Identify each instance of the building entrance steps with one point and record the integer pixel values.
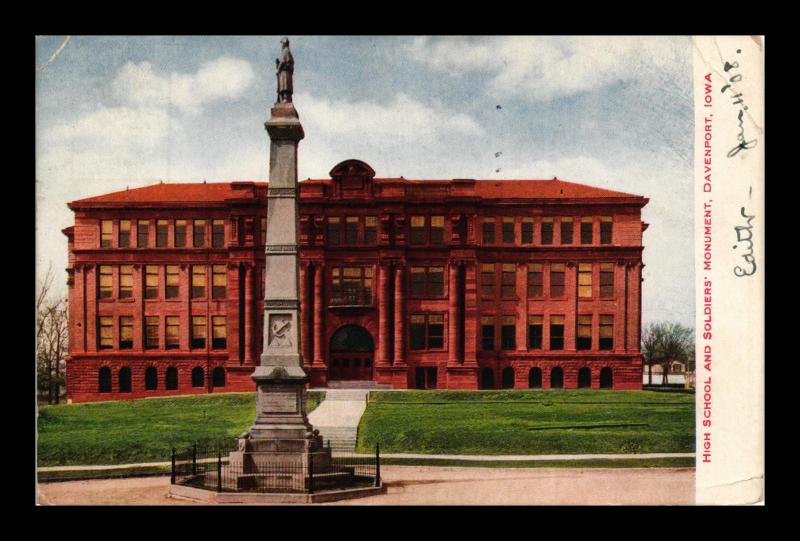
(337, 417)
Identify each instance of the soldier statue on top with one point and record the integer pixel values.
(285, 67)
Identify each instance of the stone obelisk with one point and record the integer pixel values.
(281, 429)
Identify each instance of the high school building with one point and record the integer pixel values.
(455, 284)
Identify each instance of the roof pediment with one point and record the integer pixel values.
(352, 168)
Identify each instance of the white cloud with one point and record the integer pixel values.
(223, 78)
(542, 68)
(401, 118)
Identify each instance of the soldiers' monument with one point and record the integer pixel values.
(281, 431)
(281, 452)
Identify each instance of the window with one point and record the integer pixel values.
(173, 280)
(124, 379)
(427, 281)
(584, 378)
(508, 230)
(198, 281)
(587, 230)
(180, 233)
(606, 378)
(527, 231)
(105, 289)
(105, 233)
(199, 233)
(566, 230)
(487, 378)
(198, 378)
(217, 233)
(142, 233)
(104, 380)
(584, 280)
(126, 332)
(150, 282)
(584, 338)
(535, 332)
(173, 332)
(487, 333)
(371, 230)
(606, 332)
(263, 231)
(606, 225)
(508, 332)
(151, 379)
(547, 231)
(606, 280)
(437, 229)
(162, 228)
(333, 230)
(351, 286)
(351, 230)
(487, 280)
(426, 331)
(218, 377)
(556, 279)
(125, 281)
(151, 332)
(198, 332)
(535, 378)
(105, 332)
(219, 281)
(172, 378)
(509, 281)
(124, 239)
(535, 280)
(556, 332)
(219, 332)
(557, 378)
(435, 331)
(417, 230)
(508, 378)
(488, 231)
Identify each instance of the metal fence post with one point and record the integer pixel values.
(219, 470)
(172, 476)
(310, 473)
(377, 464)
(194, 459)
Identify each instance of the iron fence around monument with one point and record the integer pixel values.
(219, 467)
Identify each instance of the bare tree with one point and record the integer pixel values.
(664, 343)
(52, 336)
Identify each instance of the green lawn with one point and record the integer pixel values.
(130, 431)
(528, 422)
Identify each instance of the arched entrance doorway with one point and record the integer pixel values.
(352, 352)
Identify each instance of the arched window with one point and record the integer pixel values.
(487, 378)
(535, 378)
(104, 380)
(508, 378)
(606, 378)
(172, 378)
(198, 378)
(124, 379)
(584, 378)
(556, 378)
(151, 378)
(218, 377)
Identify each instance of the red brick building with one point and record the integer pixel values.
(458, 284)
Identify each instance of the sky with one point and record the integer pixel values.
(613, 112)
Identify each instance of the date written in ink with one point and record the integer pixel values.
(737, 99)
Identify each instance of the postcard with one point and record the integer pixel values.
(400, 270)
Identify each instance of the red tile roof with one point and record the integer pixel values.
(217, 192)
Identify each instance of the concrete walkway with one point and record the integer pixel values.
(411, 456)
(337, 417)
